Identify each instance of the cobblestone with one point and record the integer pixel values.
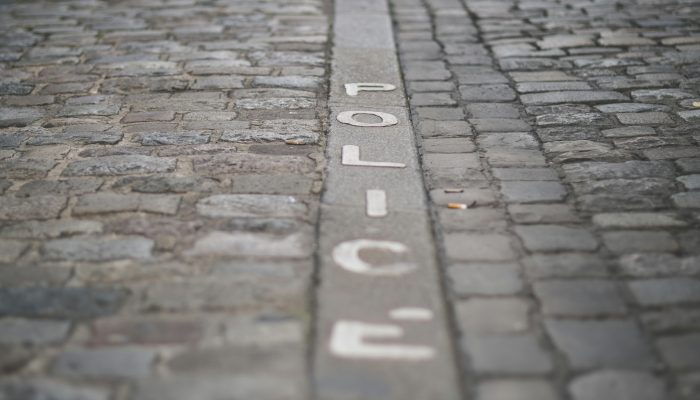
(623, 385)
(104, 363)
(601, 344)
(162, 166)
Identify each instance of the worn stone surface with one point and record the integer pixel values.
(594, 160)
(161, 165)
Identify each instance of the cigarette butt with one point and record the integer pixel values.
(454, 190)
(696, 104)
(295, 142)
(457, 206)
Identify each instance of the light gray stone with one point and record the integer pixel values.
(17, 331)
(243, 244)
(98, 249)
(249, 205)
(618, 385)
(124, 362)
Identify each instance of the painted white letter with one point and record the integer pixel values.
(376, 203)
(348, 117)
(351, 156)
(348, 341)
(352, 89)
(347, 256)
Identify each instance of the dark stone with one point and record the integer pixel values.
(51, 302)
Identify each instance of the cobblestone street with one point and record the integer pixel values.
(350, 200)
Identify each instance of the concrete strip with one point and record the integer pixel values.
(373, 269)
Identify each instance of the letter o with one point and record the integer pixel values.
(348, 117)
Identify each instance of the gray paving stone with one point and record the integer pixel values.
(689, 165)
(532, 191)
(216, 386)
(619, 385)
(40, 207)
(49, 229)
(289, 81)
(41, 388)
(448, 145)
(542, 214)
(504, 157)
(432, 99)
(567, 133)
(73, 303)
(529, 87)
(626, 170)
(274, 360)
(672, 152)
(109, 137)
(479, 316)
(660, 94)
(507, 354)
(644, 118)
(571, 97)
(174, 138)
(587, 119)
(631, 107)
(521, 140)
(687, 200)
(17, 331)
(18, 116)
(26, 168)
(492, 110)
(665, 291)
(243, 244)
(542, 76)
(485, 279)
(679, 351)
(167, 184)
(479, 219)
(622, 242)
(440, 113)
(487, 93)
(262, 136)
(688, 385)
(98, 249)
(648, 265)
(273, 184)
(551, 238)
(119, 165)
(245, 205)
(125, 362)
(637, 220)
(98, 203)
(436, 128)
(691, 182)
(216, 165)
(499, 125)
(601, 343)
(11, 250)
(579, 298)
(690, 115)
(516, 390)
(11, 140)
(525, 174)
(475, 247)
(281, 294)
(437, 161)
(148, 116)
(671, 320)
